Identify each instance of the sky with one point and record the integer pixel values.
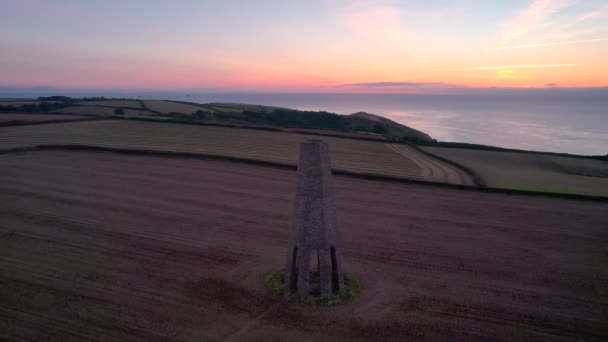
(416, 46)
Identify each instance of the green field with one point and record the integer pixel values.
(172, 107)
(532, 171)
(229, 110)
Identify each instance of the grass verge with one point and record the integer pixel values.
(274, 282)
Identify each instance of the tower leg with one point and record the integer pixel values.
(304, 273)
(325, 272)
(291, 270)
(337, 275)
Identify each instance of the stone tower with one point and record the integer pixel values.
(313, 231)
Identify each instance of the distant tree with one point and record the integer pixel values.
(379, 128)
(54, 98)
(8, 108)
(358, 127)
(200, 115)
(179, 115)
(29, 108)
(253, 115)
(45, 106)
(119, 111)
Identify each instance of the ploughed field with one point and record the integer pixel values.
(533, 172)
(105, 246)
(355, 156)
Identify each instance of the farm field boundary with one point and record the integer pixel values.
(532, 172)
(79, 117)
(468, 146)
(368, 176)
(280, 147)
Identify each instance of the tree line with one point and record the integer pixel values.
(46, 104)
(299, 119)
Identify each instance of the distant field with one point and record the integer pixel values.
(18, 103)
(350, 155)
(26, 117)
(533, 172)
(433, 168)
(581, 167)
(168, 107)
(101, 111)
(112, 103)
(241, 106)
(228, 110)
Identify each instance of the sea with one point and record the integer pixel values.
(575, 123)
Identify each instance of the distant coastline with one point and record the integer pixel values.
(574, 124)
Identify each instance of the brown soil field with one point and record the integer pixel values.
(101, 246)
(27, 117)
(355, 156)
(536, 172)
(112, 103)
(101, 111)
(168, 107)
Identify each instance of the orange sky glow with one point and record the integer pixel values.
(307, 46)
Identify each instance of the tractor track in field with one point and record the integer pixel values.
(433, 169)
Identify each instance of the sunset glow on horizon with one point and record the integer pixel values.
(304, 46)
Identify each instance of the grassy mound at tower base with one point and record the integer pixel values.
(274, 280)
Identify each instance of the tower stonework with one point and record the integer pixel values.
(313, 231)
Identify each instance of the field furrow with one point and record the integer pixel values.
(433, 168)
(348, 155)
(104, 246)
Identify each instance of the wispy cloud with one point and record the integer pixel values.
(587, 31)
(535, 45)
(551, 85)
(380, 20)
(599, 12)
(394, 84)
(531, 17)
(508, 67)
